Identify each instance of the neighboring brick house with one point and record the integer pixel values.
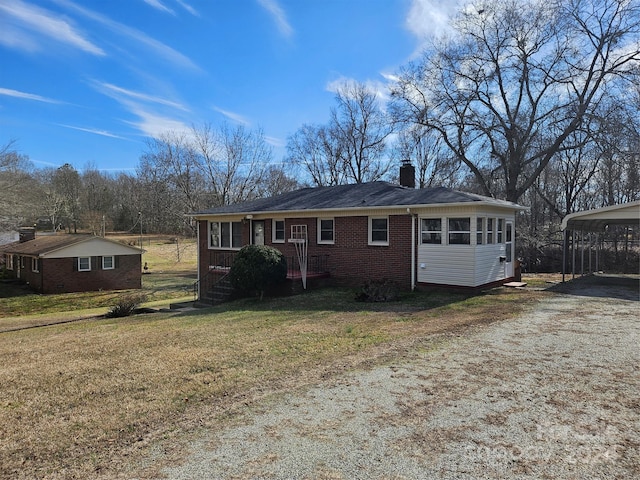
(72, 263)
(430, 236)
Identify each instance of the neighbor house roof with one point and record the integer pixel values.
(356, 196)
(597, 220)
(49, 244)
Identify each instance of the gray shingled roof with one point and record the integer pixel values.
(48, 243)
(361, 195)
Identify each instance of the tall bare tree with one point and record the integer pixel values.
(508, 91)
(16, 196)
(318, 151)
(232, 160)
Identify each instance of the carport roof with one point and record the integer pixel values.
(598, 219)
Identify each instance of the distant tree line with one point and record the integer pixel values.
(533, 102)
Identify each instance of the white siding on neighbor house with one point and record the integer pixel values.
(94, 247)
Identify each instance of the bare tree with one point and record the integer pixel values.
(517, 80)
(361, 128)
(232, 161)
(318, 151)
(15, 181)
(424, 149)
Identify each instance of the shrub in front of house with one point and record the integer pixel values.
(256, 268)
(126, 305)
(378, 291)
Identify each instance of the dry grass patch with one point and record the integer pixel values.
(87, 399)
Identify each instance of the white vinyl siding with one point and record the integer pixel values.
(467, 265)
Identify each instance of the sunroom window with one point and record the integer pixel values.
(431, 230)
(459, 231)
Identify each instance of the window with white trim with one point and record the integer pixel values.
(326, 232)
(378, 230)
(431, 231)
(489, 230)
(499, 237)
(108, 263)
(225, 234)
(35, 264)
(277, 231)
(84, 264)
(460, 231)
(480, 230)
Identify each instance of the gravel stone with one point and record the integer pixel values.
(551, 394)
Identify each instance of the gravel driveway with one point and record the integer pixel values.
(552, 394)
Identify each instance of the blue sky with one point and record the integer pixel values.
(86, 82)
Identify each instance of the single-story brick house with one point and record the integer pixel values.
(430, 236)
(72, 263)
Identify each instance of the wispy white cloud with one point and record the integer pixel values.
(103, 133)
(429, 18)
(167, 53)
(30, 19)
(26, 96)
(157, 4)
(275, 142)
(278, 15)
(379, 88)
(154, 125)
(235, 117)
(188, 8)
(118, 93)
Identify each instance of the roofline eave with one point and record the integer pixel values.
(202, 216)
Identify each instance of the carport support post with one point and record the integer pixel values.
(564, 253)
(582, 253)
(573, 255)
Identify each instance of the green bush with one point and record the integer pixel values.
(256, 268)
(126, 305)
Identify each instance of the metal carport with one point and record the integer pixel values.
(595, 221)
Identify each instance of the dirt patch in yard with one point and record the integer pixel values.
(550, 394)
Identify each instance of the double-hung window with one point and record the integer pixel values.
(459, 231)
(499, 237)
(490, 230)
(35, 264)
(479, 230)
(84, 264)
(277, 231)
(108, 263)
(10, 261)
(225, 234)
(378, 230)
(326, 232)
(431, 231)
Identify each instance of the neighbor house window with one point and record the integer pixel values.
(22, 264)
(9, 262)
(225, 234)
(378, 231)
(459, 231)
(325, 230)
(500, 230)
(108, 263)
(35, 264)
(431, 230)
(479, 230)
(277, 231)
(489, 230)
(84, 264)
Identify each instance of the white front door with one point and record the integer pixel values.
(258, 232)
(509, 250)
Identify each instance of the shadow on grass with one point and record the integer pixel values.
(623, 287)
(339, 299)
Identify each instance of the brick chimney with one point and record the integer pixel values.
(407, 174)
(27, 233)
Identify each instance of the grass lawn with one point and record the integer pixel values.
(172, 273)
(93, 398)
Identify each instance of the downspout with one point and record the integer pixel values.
(413, 249)
(198, 258)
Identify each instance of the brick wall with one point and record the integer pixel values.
(60, 275)
(350, 259)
